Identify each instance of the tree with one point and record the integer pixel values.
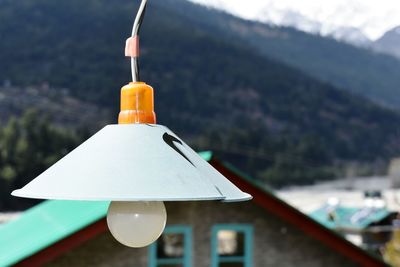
(28, 146)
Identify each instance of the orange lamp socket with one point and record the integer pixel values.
(137, 104)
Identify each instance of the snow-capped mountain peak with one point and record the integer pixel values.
(292, 18)
(353, 21)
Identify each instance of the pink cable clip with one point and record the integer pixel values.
(132, 47)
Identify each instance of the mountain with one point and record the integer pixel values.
(214, 89)
(389, 43)
(356, 70)
(336, 19)
(291, 18)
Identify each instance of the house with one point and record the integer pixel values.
(369, 227)
(263, 232)
(360, 208)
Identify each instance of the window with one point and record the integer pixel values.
(173, 248)
(231, 245)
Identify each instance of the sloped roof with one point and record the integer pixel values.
(266, 199)
(349, 217)
(55, 226)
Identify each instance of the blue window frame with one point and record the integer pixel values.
(173, 248)
(232, 245)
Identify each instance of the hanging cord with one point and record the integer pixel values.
(132, 43)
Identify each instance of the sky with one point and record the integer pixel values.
(372, 17)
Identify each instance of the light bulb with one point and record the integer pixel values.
(136, 224)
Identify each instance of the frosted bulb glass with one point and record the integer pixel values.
(136, 224)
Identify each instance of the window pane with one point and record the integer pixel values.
(170, 246)
(229, 264)
(230, 243)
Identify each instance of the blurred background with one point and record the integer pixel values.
(303, 97)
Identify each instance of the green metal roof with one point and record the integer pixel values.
(49, 222)
(349, 217)
(45, 224)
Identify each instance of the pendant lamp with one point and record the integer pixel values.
(136, 164)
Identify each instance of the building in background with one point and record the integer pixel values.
(369, 226)
(263, 232)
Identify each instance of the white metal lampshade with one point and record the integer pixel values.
(132, 162)
(134, 165)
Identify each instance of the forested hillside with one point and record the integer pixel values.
(29, 145)
(58, 105)
(272, 120)
(353, 69)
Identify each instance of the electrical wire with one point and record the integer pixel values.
(135, 33)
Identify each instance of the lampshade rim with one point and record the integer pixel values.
(245, 197)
